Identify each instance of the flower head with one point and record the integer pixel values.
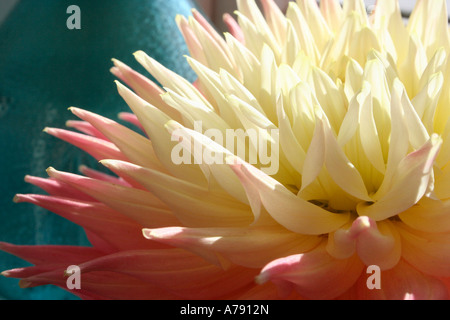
(353, 108)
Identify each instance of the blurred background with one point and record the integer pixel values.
(46, 68)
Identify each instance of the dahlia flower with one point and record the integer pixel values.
(354, 107)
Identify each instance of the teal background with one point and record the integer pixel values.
(46, 68)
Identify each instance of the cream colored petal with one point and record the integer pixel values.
(408, 185)
(430, 21)
(436, 64)
(294, 152)
(267, 97)
(316, 22)
(358, 7)
(334, 57)
(153, 121)
(290, 211)
(315, 156)
(353, 79)
(196, 144)
(428, 215)
(134, 146)
(300, 29)
(213, 87)
(144, 87)
(170, 79)
(292, 45)
(195, 111)
(363, 41)
(418, 134)
(351, 122)
(194, 206)
(388, 16)
(251, 247)
(426, 101)
(254, 41)
(368, 131)
(275, 19)
(332, 12)
(246, 61)
(215, 49)
(252, 12)
(442, 115)
(192, 42)
(303, 103)
(330, 97)
(233, 87)
(399, 141)
(342, 171)
(413, 66)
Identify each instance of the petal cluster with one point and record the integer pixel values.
(353, 110)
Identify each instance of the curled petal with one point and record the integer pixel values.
(292, 212)
(375, 244)
(409, 183)
(314, 275)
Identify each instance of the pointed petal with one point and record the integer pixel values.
(94, 174)
(234, 27)
(98, 148)
(118, 231)
(51, 254)
(170, 79)
(86, 128)
(154, 120)
(332, 12)
(139, 205)
(175, 270)
(342, 171)
(58, 188)
(144, 87)
(135, 147)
